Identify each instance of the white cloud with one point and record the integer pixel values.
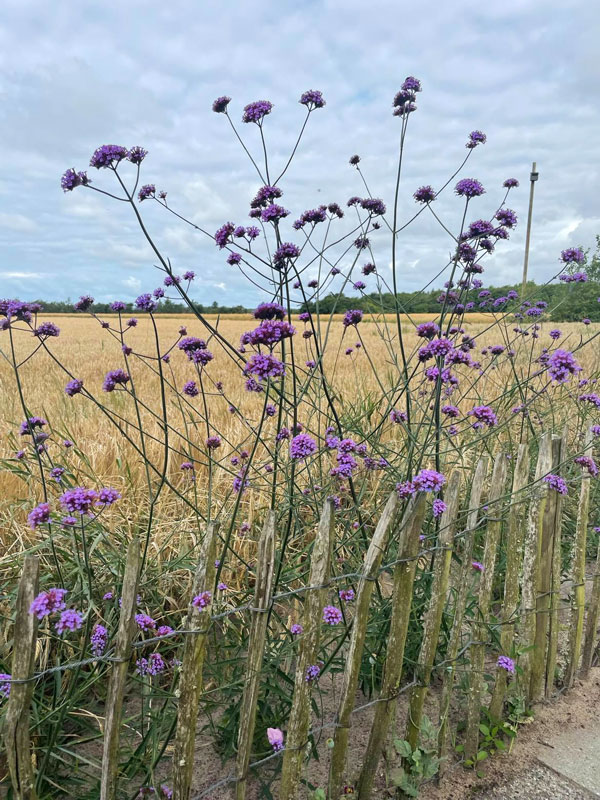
(493, 68)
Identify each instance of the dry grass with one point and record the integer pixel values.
(88, 352)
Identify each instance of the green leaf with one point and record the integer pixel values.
(484, 729)
(403, 748)
(396, 776)
(482, 755)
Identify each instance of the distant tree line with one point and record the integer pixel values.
(568, 302)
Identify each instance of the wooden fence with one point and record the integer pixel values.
(526, 517)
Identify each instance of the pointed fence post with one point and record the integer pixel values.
(118, 676)
(543, 584)
(492, 537)
(578, 570)
(592, 619)
(190, 681)
(16, 724)
(402, 595)
(460, 604)
(433, 617)
(529, 579)
(297, 734)
(263, 594)
(556, 571)
(514, 557)
(370, 571)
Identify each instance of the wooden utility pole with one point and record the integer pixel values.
(532, 179)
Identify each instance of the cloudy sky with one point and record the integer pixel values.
(77, 75)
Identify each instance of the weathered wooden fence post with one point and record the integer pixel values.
(533, 536)
(578, 570)
(297, 734)
(190, 682)
(433, 617)
(370, 570)
(118, 677)
(543, 583)
(16, 724)
(556, 571)
(263, 593)
(402, 595)
(591, 623)
(460, 604)
(492, 537)
(514, 557)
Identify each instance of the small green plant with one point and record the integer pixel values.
(417, 765)
(498, 735)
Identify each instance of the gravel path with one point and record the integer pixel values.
(538, 783)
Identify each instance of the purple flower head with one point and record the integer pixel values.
(284, 254)
(397, 416)
(72, 179)
(114, 378)
(118, 305)
(469, 188)
(411, 84)
(562, 366)
(5, 685)
(573, 255)
(296, 629)
(70, 620)
(48, 602)
(220, 105)
(368, 269)
(506, 663)
(145, 303)
(507, 217)
(257, 111)
(202, 600)
(73, 387)
(555, 334)
(39, 515)
(475, 138)
(484, 415)
(269, 332)
(302, 446)
(107, 496)
(587, 463)
(275, 737)
(424, 194)
(481, 227)
(84, 303)
(213, 442)
(154, 665)
(145, 622)
(477, 566)
(57, 473)
(361, 243)
(352, 317)
(427, 330)
(354, 160)
(312, 99)
(78, 500)
(373, 205)
(557, 483)
(264, 366)
(273, 213)
(137, 154)
(224, 234)
(191, 389)
(269, 311)
(98, 639)
(428, 480)
(149, 190)
(347, 595)
(510, 183)
(405, 489)
(332, 615)
(108, 155)
(438, 508)
(312, 673)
